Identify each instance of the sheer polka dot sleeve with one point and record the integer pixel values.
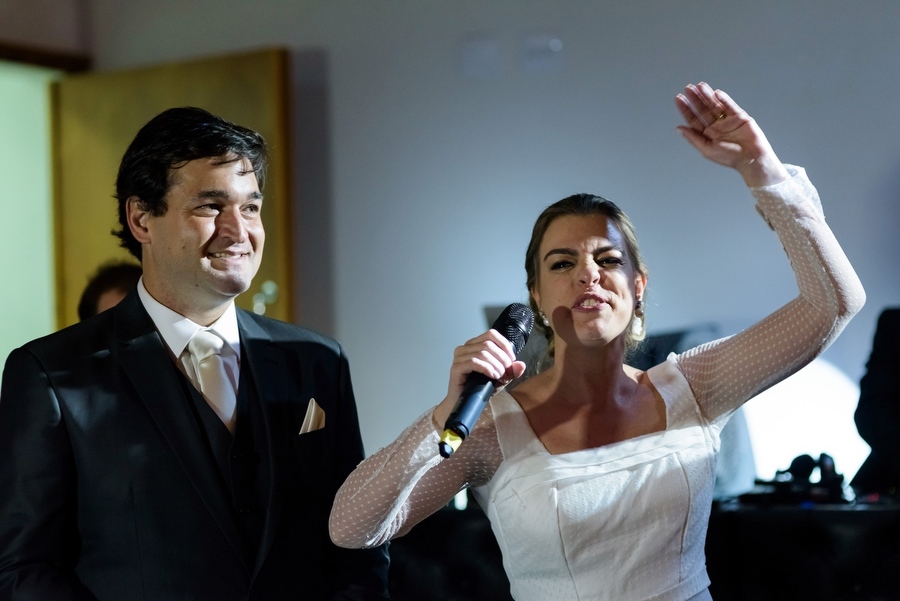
(408, 480)
(725, 373)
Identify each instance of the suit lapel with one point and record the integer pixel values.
(146, 362)
(267, 367)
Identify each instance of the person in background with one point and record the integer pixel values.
(598, 477)
(176, 447)
(107, 288)
(877, 414)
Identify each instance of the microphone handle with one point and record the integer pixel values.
(472, 400)
(474, 396)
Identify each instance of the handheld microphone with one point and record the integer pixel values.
(514, 323)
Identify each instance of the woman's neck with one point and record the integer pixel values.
(588, 375)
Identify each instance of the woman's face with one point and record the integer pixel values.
(586, 284)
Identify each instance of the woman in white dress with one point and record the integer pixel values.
(598, 477)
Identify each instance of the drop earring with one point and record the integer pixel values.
(544, 319)
(637, 323)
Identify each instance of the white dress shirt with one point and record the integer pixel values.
(177, 330)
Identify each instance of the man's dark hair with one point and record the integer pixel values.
(170, 140)
(111, 276)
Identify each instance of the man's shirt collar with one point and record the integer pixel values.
(177, 330)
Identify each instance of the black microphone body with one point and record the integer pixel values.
(474, 396)
(514, 323)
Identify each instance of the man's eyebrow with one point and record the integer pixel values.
(212, 194)
(204, 194)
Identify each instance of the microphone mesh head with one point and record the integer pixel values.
(515, 323)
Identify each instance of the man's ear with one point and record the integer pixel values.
(137, 215)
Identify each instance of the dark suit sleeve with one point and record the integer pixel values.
(878, 413)
(38, 539)
(363, 573)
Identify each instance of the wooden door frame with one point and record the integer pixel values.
(69, 62)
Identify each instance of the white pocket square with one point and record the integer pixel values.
(315, 418)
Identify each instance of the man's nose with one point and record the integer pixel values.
(231, 224)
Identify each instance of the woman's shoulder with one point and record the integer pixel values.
(528, 392)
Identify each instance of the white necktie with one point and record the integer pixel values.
(205, 349)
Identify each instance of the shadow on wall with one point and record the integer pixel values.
(313, 214)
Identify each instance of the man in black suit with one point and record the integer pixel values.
(878, 412)
(119, 479)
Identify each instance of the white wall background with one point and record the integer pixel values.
(419, 184)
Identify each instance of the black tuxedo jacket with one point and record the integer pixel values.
(878, 412)
(109, 490)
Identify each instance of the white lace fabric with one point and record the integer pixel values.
(600, 523)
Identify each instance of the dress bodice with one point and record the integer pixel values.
(593, 512)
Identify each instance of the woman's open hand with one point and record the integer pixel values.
(724, 133)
